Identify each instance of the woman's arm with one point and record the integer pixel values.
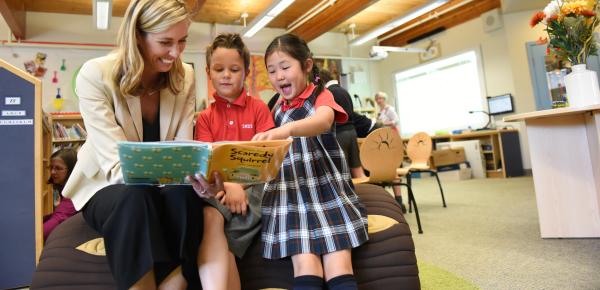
(97, 110)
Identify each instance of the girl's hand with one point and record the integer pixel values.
(204, 189)
(235, 198)
(279, 133)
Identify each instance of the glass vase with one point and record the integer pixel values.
(582, 87)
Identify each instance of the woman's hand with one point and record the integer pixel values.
(278, 133)
(207, 190)
(235, 198)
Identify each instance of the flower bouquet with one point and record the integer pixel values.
(570, 25)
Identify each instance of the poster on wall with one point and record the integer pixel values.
(332, 65)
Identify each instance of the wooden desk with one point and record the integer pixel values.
(501, 150)
(565, 157)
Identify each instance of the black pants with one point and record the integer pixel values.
(148, 227)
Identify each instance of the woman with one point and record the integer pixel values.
(140, 92)
(61, 166)
(387, 115)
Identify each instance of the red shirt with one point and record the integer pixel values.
(237, 121)
(325, 98)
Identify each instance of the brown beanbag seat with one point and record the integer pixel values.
(386, 261)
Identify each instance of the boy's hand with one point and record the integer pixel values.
(203, 188)
(278, 133)
(235, 198)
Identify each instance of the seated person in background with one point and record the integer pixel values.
(232, 221)
(388, 117)
(363, 124)
(61, 165)
(345, 133)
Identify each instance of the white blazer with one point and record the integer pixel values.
(110, 117)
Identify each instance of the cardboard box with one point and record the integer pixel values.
(453, 175)
(448, 156)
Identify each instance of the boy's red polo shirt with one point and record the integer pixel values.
(237, 121)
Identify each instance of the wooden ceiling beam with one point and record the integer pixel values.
(450, 19)
(331, 17)
(14, 15)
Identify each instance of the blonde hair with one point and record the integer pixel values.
(142, 17)
(381, 95)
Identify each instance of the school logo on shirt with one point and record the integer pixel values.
(247, 126)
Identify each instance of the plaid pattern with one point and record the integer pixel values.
(311, 206)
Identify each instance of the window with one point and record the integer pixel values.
(438, 96)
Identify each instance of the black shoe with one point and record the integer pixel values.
(399, 201)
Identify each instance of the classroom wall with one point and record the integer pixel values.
(80, 30)
(503, 55)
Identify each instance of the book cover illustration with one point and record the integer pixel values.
(169, 162)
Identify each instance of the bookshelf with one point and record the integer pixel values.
(68, 130)
(47, 202)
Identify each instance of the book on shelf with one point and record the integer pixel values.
(62, 132)
(169, 162)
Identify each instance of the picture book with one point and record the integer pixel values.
(169, 162)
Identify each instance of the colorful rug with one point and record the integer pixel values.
(435, 278)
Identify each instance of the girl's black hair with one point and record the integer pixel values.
(297, 48)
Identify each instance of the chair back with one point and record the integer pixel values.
(381, 153)
(419, 150)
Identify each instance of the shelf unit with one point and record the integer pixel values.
(47, 148)
(52, 142)
(68, 121)
(500, 148)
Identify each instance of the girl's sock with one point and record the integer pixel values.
(342, 282)
(308, 282)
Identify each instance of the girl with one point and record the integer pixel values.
(310, 211)
(231, 225)
(61, 165)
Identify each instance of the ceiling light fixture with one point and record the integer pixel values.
(398, 21)
(264, 18)
(102, 13)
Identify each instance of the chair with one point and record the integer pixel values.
(381, 153)
(419, 151)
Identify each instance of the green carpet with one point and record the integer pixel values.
(434, 278)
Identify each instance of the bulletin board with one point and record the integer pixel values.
(20, 175)
(59, 67)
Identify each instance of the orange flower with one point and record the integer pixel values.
(537, 18)
(588, 13)
(542, 41)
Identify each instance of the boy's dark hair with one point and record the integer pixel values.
(229, 40)
(297, 48)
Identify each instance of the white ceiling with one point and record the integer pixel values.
(509, 6)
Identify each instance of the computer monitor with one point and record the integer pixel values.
(501, 104)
